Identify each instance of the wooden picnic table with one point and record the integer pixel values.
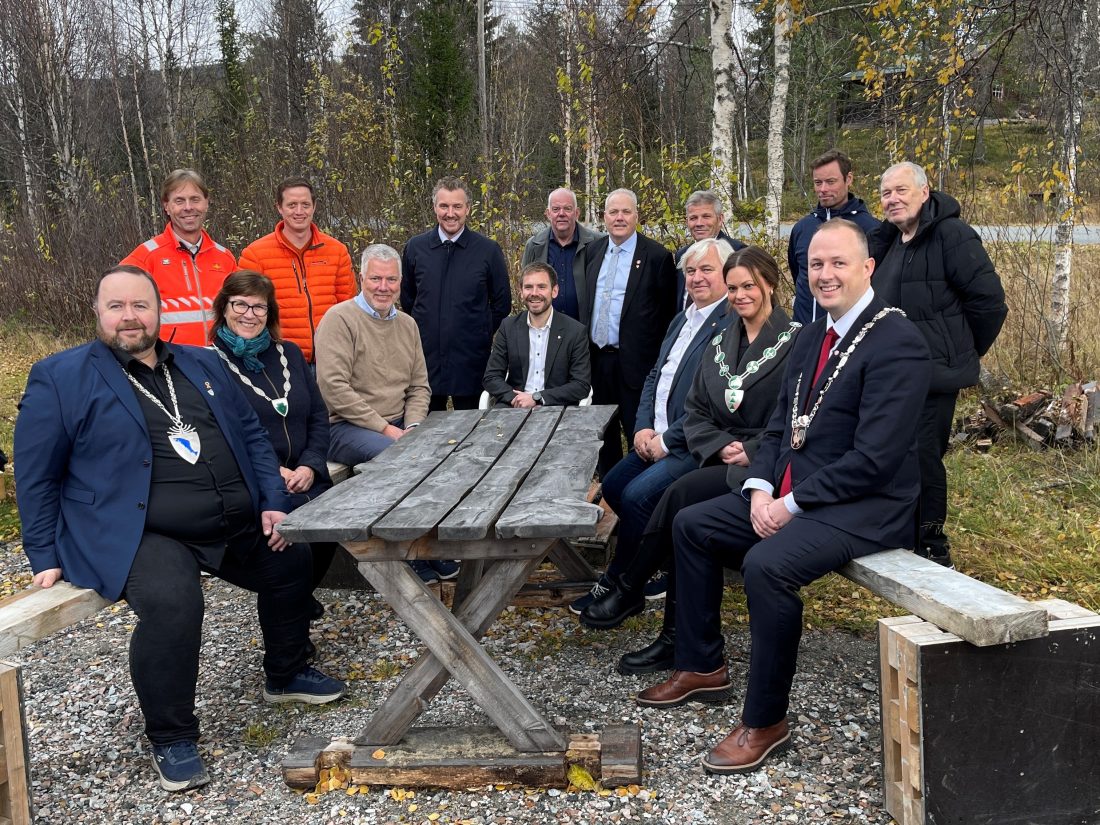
(499, 490)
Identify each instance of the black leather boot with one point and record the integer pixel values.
(614, 607)
(660, 655)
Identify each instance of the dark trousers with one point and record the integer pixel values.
(633, 489)
(717, 534)
(165, 593)
(655, 548)
(933, 434)
(458, 402)
(608, 387)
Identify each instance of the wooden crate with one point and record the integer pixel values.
(15, 805)
(985, 735)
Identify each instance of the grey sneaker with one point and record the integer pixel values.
(309, 685)
(179, 766)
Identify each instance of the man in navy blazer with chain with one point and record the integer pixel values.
(835, 477)
(631, 299)
(139, 465)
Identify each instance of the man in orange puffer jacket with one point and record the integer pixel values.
(311, 271)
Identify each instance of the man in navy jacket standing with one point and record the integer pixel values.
(834, 478)
(140, 465)
(832, 177)
(455, 286)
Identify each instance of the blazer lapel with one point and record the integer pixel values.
(553, 344)
(599, 253)
(634, 276)
(523, 345)
(108, 367)
(777, 323)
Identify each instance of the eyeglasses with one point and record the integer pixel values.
(242, 308)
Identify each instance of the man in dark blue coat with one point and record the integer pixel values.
(834, 478)
(140, 465)
(455, 286)
(932, 265)
(832, 176)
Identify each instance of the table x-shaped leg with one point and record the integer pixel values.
(452, 640)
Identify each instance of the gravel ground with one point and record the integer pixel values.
(90, 762)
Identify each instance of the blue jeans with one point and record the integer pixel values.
(351, 444)
(633, 488)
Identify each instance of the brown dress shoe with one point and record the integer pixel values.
(746, 748)
(685, 686)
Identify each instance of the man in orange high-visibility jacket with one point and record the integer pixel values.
(187, 264)
(311, 271)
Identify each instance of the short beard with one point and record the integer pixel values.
(146, 342)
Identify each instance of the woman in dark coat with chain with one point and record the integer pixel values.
(280, 386)
(728, 407)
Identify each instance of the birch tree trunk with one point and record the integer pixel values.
(724, 108)
(777, 117)
(1067, 192)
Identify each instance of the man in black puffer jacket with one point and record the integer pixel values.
(931, 264)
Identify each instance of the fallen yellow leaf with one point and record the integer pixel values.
(378, 754)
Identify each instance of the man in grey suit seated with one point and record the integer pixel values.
(539, 356)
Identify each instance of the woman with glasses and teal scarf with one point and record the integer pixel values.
(280, 386)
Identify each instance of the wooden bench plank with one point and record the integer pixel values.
(34, 614)
(348, 510)
(975, 611)
(475, 515)
(435, 496)
(15, 798)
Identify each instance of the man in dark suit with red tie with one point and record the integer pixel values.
(631, 300)
(834, 478)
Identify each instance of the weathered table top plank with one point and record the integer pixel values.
(975, 611)
(348, 510)
(474, 516)
(551, 502)
(584, 424)
(435, 496)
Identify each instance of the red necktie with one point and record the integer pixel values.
(826, 347)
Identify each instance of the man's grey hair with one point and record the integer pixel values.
(572, 196)
(699, 248)
(627, 192)
(704, 197)
(920, 177)
(379, 252)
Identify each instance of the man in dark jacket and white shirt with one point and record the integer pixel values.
(832, 175)
(454, 283)
(563, 244)
(540, 356)
(931, 264)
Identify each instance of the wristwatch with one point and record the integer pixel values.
(537, 396)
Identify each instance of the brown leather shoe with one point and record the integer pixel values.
(685, 686)
(746, 748)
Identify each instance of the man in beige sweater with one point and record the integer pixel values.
(370, 364)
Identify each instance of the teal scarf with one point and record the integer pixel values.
(246, 348)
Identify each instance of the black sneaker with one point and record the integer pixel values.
(179, 766)
(655, 588)
(940, 556)
(600, 588)
(445, 569)
(425, 570)
(309, 685)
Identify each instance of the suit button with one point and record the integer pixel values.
(141, 505)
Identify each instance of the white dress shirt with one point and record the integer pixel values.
(696, 317)
(538, 339)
